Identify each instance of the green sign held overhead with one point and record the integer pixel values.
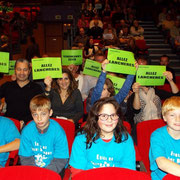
(150, 75)
(117, 82)
(4, 62)
(92, 68)
(49, 66)
(121, 61)
(71, 57)
(11, 67)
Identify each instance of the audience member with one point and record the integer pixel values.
(96, 31)
(162, 16)
(33, 49)
(83, 23)
(81, 38)
(43, 141)
(104, 88)
(164, 60)
(136, 30)
(10, 139)
(78, 76)
(96, 22)
(18, 93)
(103, 141)
(165, 142)
(65, 98)
(90, 49)
(90, 81)
(4, 44)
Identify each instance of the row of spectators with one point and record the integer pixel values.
(169, 24)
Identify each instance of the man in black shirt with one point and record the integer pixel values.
(18, 93)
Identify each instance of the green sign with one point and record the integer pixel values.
(4, 62)
(117, 82)
(11, 67)
(150, 75)
(121, 61)
(71, 57)
(49, 66)
(8, 9)
(92, 68)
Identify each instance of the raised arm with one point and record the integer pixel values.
(136, 101)
(121, 95)
(97, 91)
(169, 77)
(48, 82)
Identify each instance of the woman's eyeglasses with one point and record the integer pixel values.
(104, 117)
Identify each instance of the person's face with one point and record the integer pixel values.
(141, 62)
(99, 59)
(73, 68)
(105, 92)
(64, 82)
(81, 31)
(164, 61)
(91, 41)
(107, 126)
(22, 71)
(173, 121)
(41, 118)
(136, 24)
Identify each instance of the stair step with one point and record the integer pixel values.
(159, 50)
(154, 41)
(151, 29)
(152, 45)
(172, 61)
(152, 33)
(148, 25)
(153, 36)
(157, 56)
(146, 22)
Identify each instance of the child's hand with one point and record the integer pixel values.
(103, 65)
(168, 75)
(48, 81)
(136, 65)
(136, 87)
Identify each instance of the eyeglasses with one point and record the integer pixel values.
(104, 117)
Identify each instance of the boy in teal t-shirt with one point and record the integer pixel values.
(164, 151)
(43, 141)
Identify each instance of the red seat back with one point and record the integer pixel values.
(13, 155)
(27, 173)
(144, 131)
(171, 177)
(111, 173)
(69, 129)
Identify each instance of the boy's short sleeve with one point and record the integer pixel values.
(25, 148)
(61, 145)
(157, 148)
(11, 132)
(78, 157)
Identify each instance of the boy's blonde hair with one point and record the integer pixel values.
(40, 102)
(170, 104)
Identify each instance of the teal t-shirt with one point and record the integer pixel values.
(8, 133)
(44, 147)
(102, 154)
(162, 145)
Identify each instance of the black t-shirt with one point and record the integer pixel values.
(18, 98)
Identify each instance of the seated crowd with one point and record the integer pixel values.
(102, 140)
